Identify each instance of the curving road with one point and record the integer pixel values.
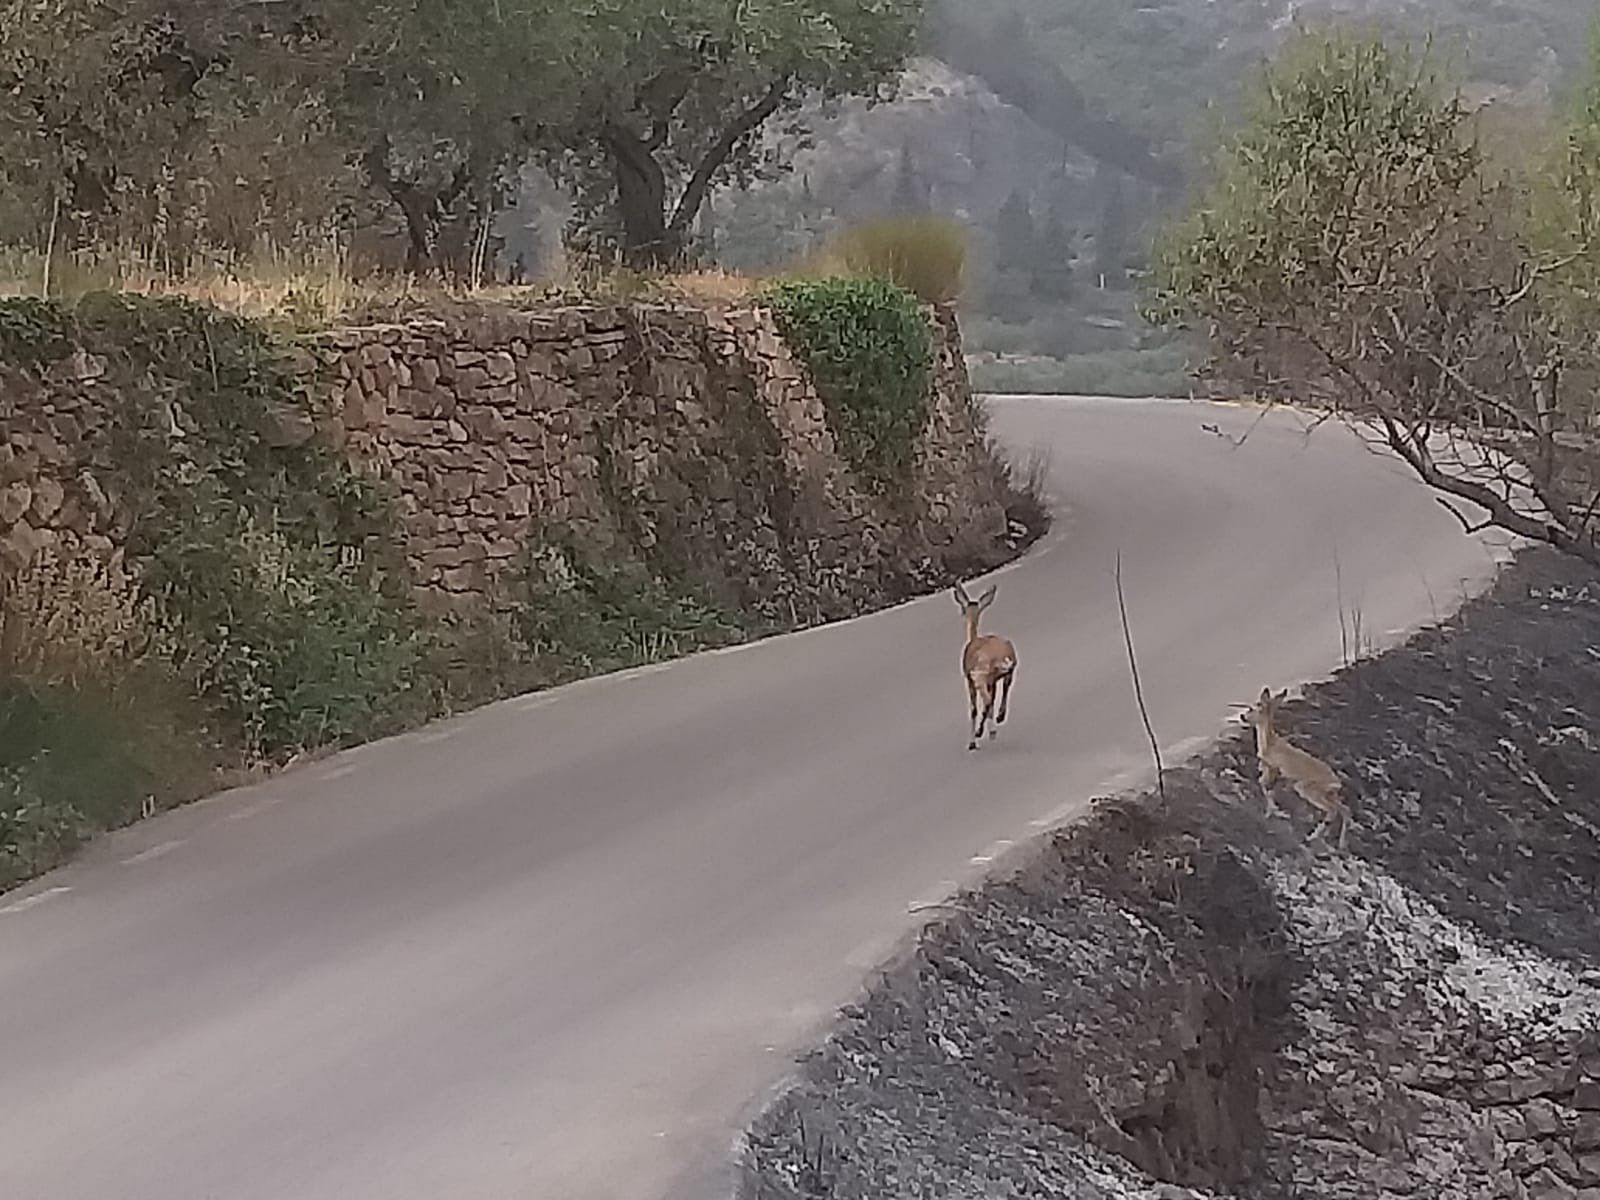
(557, 949)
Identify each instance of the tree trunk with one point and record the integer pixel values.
(422, 231)
(648, 241)
(425, 209)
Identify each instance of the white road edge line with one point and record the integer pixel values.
(153, 852)
(28, 902)
(260, 806)
(992, 852)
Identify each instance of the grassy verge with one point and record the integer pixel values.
(1159, 371)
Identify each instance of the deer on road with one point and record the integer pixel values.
(988, 663)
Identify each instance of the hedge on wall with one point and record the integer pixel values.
(869, 350)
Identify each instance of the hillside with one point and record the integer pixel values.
(1057, 132)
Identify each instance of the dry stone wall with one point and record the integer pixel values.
(54, 490)
(687, 440)
(687, 437)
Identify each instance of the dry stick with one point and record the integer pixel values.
(1338, 591)
(1138, 690)
(1433, 604)
(50, 246)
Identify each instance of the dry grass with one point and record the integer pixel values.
(73, 619)
(274, 282)
(1027, 488)
(315, 287)
(713, 287)
(925, 255)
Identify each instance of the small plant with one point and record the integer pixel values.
(73, 618)
(869, 349)
(581, 616)
(926, 255)
(292, 642)
(35, 834)
(76, 760)
(1026, 492)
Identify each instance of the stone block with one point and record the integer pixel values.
(484, 423)
(1586, 1133)
(15, 501)
(425, 373)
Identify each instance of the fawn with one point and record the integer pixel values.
(1279, 758)
(987, 661)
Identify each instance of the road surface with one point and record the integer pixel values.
(558, 949)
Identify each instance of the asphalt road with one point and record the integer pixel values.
(557, 949)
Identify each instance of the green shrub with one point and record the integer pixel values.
(925, 255)
(584, 616)
(75, 760)
(869, 349)
(36, 833)
(291, 640)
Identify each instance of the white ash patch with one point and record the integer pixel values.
(1335, 899)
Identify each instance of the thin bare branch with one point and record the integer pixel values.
(1138, 688)
(1467, 527)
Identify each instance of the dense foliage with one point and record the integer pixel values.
(181, 129)
(1356, 247)
(869, 350)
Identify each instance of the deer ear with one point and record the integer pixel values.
(1266, 696)
(988, 595)
(1281, 696)
(961, 597)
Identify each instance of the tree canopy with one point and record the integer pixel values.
(678, 99)
(123, 120)
(1354, 248)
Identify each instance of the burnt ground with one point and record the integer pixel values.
(1180, 998)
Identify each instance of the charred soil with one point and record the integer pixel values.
(1180, 998)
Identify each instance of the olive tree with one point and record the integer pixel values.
(443, 101)
(1353, 249)
(677, 99)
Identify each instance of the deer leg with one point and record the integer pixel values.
(1268, 774)
(988, 711)
(985, 703)
(972, 712)
(1005, 696)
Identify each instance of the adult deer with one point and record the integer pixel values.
(1312, 778)
(987, 663)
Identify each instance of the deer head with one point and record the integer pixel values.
(970, 608)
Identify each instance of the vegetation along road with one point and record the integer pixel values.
(559, 948)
